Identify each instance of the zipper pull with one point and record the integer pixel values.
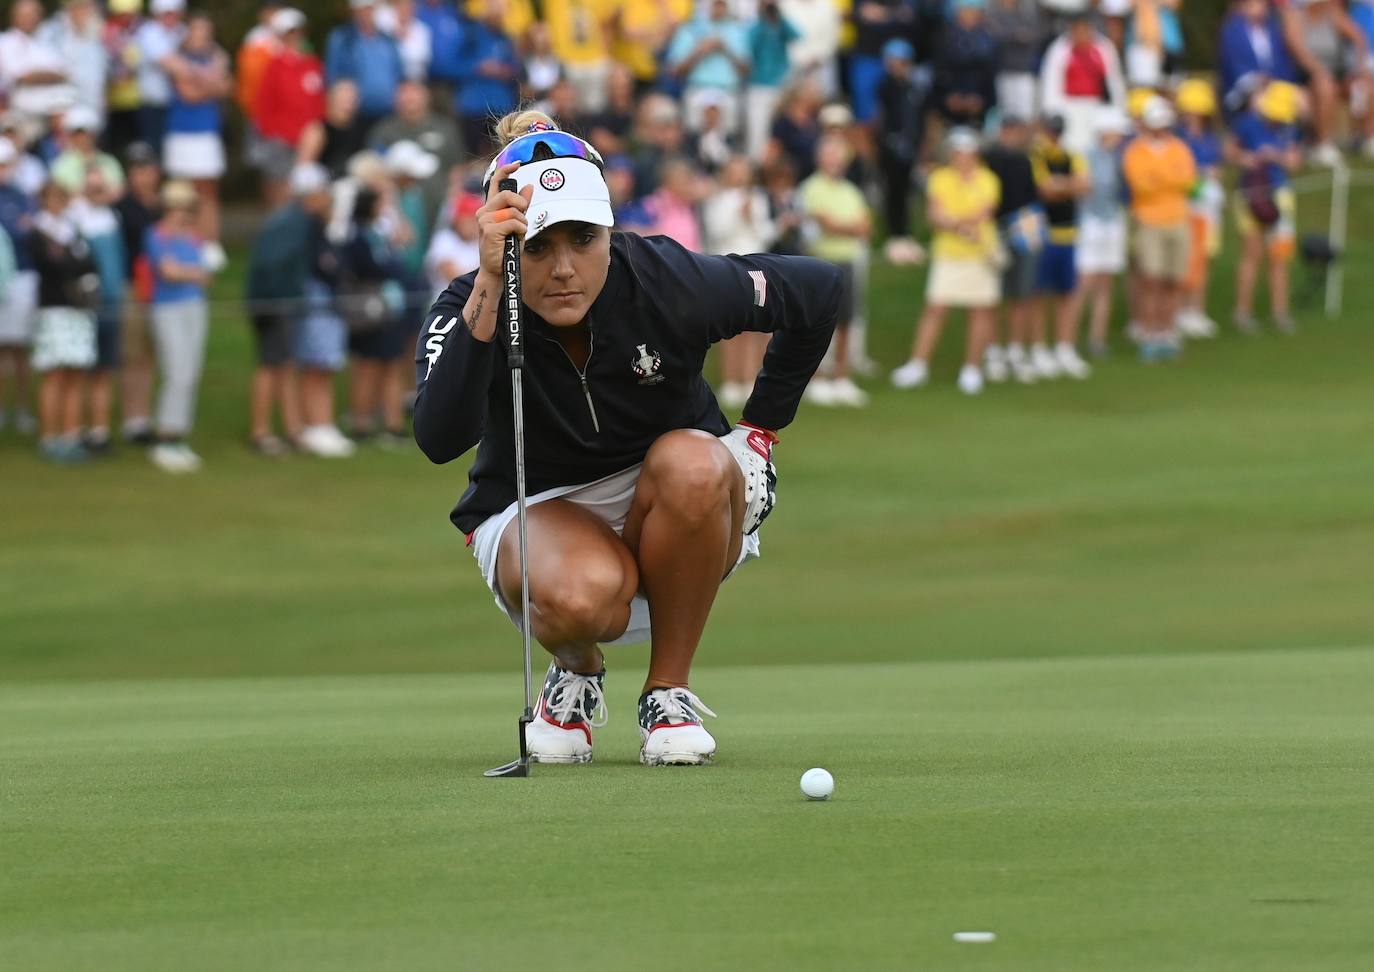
(587, 393)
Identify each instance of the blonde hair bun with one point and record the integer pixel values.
(518, 122)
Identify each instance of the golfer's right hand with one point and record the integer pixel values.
(502, 216)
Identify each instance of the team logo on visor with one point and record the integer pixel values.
(552, 180)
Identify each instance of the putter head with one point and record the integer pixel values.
(516, 767)
(521, 766)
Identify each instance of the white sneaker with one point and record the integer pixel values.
(843, 391)
(570, 706)
(913, 374)
(173, 458)
(1021, 368)
(189, 459)
(671, 729)
(1326, 155)
(733, 394)
(215, 257)
(821, 391)
(970, 380)
(1069, 361)
(1195, 324)
(1045, 364)
(327, 442)
(995, 366)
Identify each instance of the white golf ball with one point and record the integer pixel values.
(817, 784)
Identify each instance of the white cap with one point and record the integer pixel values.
(309, 177)
(835, 116)
(286, 20)
(405, 158)
(564, 190)
(8, 153)
(159, 7)
(961, 139)
(361, 4)
(1157, 113)
(1110, 118)
(81, 118)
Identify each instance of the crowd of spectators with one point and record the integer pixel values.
(1055, 145)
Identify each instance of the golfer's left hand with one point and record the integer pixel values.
(752, 448)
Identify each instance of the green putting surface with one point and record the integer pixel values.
(1091, 663)
(1199, 812)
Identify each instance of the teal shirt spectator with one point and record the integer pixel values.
(715, 70)
(283, 255)
(7, 268)
(416, 211)
(768, 40)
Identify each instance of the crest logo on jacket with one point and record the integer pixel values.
(646, 365)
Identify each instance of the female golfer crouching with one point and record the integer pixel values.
(642, 499)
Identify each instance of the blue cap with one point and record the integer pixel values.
(898, 48)
(977, 4)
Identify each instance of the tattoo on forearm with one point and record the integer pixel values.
(477, 312)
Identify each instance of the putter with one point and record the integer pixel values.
(515, 357)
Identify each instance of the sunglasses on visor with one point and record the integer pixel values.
(541, 146)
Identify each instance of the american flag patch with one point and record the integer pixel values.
(760, 287)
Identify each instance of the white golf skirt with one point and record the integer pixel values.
(608, 499)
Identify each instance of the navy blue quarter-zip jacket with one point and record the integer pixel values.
(661, 310)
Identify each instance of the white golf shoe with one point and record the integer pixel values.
(1070, 363)
(1044, 362)
(1021, 368)
(971, 380)
(913, 374)
(671, 729)
(996, 367)
(570, 706)
(843, 391)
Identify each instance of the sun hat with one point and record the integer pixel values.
(1280, 102)
(81, 118)
(961, 139)
(406, 158)
(286, 20)
(1196, 97)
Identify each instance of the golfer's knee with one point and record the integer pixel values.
(581, 606)
(691, 472)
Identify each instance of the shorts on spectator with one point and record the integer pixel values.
(865, 75)
(197, 155)
(1018, 279)
(964, 283)
(64, 338)
(109, 340)
(1101, 244)
(273, 333)
(320, 339)
(137, 343)
(1162, 252)
(272, 157)
(1057, 272)
(1285, 228)
(18, 310)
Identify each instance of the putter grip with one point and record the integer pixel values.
(511, 306)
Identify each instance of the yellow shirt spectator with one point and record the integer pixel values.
(961, 198)
(1161, 174)
(519, 15)
(578, 29)
(840, 200)
(642, 28)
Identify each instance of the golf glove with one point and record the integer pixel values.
(752, 448)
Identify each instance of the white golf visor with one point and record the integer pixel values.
(564, 189)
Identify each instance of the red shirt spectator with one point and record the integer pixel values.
(291, 96)
(1085, 75)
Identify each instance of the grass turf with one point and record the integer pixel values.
(1071, 652)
